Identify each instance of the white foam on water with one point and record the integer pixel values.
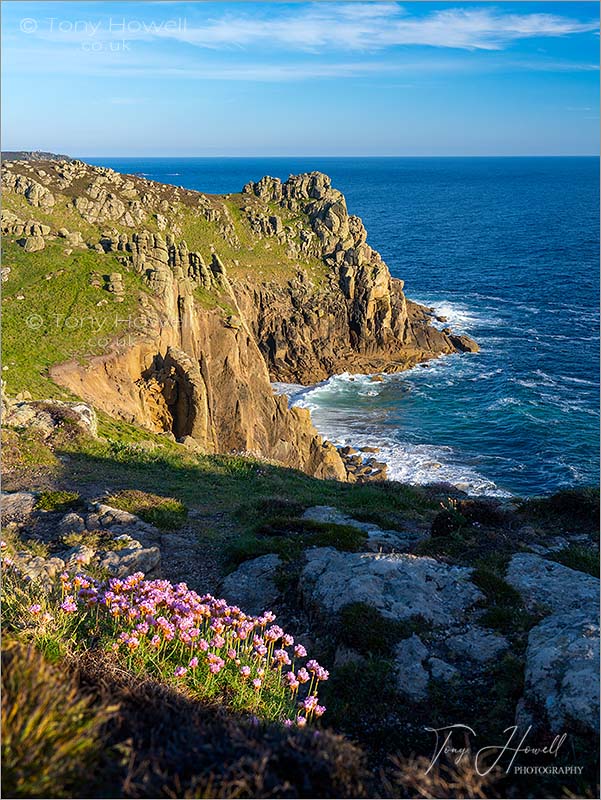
(407, 462)
(459, 317)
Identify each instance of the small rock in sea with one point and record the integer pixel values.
(376, 379)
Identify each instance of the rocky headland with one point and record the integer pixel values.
(276, 283)
(143, 327)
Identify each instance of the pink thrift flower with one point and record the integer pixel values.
(257, 684)
(179, 672)
(35, 608)
(319, 711)
(155, 641)
(301, 721)
(299, 651)
(287, 640)
(245, 672)
(68, 605)
(193, 662)
(302, 675)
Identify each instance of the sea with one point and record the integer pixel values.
(507, 249)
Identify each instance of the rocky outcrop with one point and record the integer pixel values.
(192, 372)
(359, 319)
(400, 586)
(562, 657)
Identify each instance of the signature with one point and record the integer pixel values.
(510, 748)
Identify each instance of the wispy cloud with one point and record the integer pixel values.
(369, 27)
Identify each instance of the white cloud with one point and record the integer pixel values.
(369, 27)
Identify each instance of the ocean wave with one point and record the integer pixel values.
(458, 316)
(408, 462)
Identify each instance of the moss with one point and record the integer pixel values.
(583, 559)
(166, 513)
(59, 501)
(364, 629)
(290, 537)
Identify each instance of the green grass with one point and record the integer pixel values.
(290, 537)
(51, 734)
(583, 559)
(59, 318)
(58, 501)
(166, 513)
(567, 509)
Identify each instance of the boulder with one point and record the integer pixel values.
(562, 670)
(16, 506)
(400, 586)
(410, 674)
(547, 584)
(477, 644)
(252, 586)
(120, 563)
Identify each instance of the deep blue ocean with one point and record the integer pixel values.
(508, 250)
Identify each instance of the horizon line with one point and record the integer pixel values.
(325, 155)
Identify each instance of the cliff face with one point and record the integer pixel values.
(194, 372)
(278, 282)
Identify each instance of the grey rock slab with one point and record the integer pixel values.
(71, 523)
(16, 506)
(477, 644)
(442, 671)
(546, 583)
(411, 676)
(121, 563)
(562, 670)
(400, 586)
(252, 586)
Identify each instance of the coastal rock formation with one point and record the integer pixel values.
(358, 319)
(210, 335)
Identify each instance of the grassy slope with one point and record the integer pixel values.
(58, 317)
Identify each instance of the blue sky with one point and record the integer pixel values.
(321, 78)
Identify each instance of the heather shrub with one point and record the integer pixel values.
(50, 731)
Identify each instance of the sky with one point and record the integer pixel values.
(325, 78)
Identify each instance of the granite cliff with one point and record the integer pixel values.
(275, 283)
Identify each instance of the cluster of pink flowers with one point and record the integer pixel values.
(199, 638)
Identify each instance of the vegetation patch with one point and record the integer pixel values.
(568, 508)
(51, 733)
(166, 513)
(200, 645)
(364, 629)
(59, 501)
(583, 559)
(290, 537)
